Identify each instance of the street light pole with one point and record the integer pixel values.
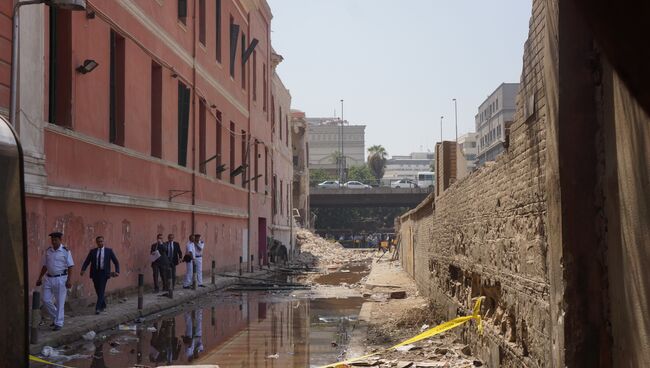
(342, 158)
(456, 118)
(442, 117)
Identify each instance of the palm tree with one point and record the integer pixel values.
(335, 157)
(377, 156)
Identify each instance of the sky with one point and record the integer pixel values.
(398, 64)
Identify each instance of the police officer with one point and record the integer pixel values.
(198, 258)
(190, 252)
(57, 263)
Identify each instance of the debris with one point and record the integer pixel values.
(89, 336)
(274, 356)
(408, 347)
(151, 329)
(400, 294)
(314, 249)
(334, 344)
(114, 351)
(441, 351)
(424, 327)
(466, 350)
(477, 363)
(404, 364)
(49, 351)
(114, 343)
(126, 327)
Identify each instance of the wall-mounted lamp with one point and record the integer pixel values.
(88, 66)
(174, 74)
(90, 14)
(213, 106)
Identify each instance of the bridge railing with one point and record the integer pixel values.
(386, 183)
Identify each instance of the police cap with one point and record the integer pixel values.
(56, 234)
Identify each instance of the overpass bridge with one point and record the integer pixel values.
(374, 197)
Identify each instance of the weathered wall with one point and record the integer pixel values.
(485, 235)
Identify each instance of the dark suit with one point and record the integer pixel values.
(174, 258)
(161, 266)
(101, 275)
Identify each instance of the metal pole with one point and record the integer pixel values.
(214, 266)
(36, 316)
(252, 263)
(442, 117)
(343, 163)
(140, 291)
(240, 261)
(456, 118)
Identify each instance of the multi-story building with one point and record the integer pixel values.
(469, 149)
(407, 167)
(325, 143)
(146, 117)
(281, 226)
(300, 143)
(494, 116)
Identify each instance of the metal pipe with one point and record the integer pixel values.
(140, 291)
(456, 118)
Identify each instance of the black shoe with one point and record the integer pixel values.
(187, 287)
(201, 285)
(97, 312)
(56, 328)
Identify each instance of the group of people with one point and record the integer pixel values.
(56, 271)
(165, 256)
(57, 266)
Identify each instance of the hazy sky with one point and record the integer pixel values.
(398, 64)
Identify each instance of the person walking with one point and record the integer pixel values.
(189, 258)
(57, 263)
(100, 260)
(174, 254)
(198, 258)
(155, 265)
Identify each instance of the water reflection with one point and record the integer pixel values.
(252, 329)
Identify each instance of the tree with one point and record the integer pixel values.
(319, 176)
(377, 156)
(335, 156)
(361, 173)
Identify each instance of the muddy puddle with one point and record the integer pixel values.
(349, 274)
(246, 329)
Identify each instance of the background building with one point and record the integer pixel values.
(407, 167)
(281, 227)
(494, 116)
(325, 142)
(469, 149)
(300, 202)
(170, 133)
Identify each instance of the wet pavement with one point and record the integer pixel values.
(244, 329)
(348, 274)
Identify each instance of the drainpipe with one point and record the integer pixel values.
(248, 156)
(193, 218)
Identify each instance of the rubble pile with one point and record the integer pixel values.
(316, 250)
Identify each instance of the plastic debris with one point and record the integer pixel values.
(274, 356)
(126, 327)
(89, 336)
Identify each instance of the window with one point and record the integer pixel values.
(202, 22)
(280, 120)
(183, 122)
(243, 66)
(232, 151)
(265, 84)
(256, 167)
(202, 134)
(182, 10)
(234, 35)
(266, 166)
(272, 114)
(281, 197)
(244, 158)
(60, 78)
(254, 75)
(156, 110)
(219, 144)
(116, 93)
(286, 130)
(217, 22)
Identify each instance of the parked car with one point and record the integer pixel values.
(356, 185)
(403, 183)
(330, 184)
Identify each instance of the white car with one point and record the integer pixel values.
(356, 185)
(403, 183)
(330, 184)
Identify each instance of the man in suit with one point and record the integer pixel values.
(175, 255)
(100, 260)
(162, 265)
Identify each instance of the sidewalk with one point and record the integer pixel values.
(127, 311)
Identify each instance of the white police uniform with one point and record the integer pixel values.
(198, 256)
(57, 263)
(189, 249)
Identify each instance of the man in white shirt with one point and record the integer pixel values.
(190, 256)
(57, 263)
(198, 256)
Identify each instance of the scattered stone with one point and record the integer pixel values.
(477, 363)
(441, 351)
(114, 343)
(424, 327)
(404, 364)
(408, 347)
(49, 351)
(334, 344)
(114, 351)
(89, 336)
(466, 350)
(151, 329)
(274, 356)
(400, 294)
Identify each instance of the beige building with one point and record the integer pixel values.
(407, 167)
(300, 148)
(469, 149)
(325, 141)
(493, 118)
(282, 163)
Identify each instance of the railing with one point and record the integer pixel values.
(387, 183)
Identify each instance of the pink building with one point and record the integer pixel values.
(171, 132)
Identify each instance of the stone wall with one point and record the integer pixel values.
(486, 234)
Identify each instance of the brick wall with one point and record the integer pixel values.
(485, 235)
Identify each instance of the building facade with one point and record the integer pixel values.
(325, 143)
(494, 116)
(469, 149)
(407, 167)
(171, 132)
(281, 226)
(300, 148)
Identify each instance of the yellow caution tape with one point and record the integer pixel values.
(424, 335)
(39, 360)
